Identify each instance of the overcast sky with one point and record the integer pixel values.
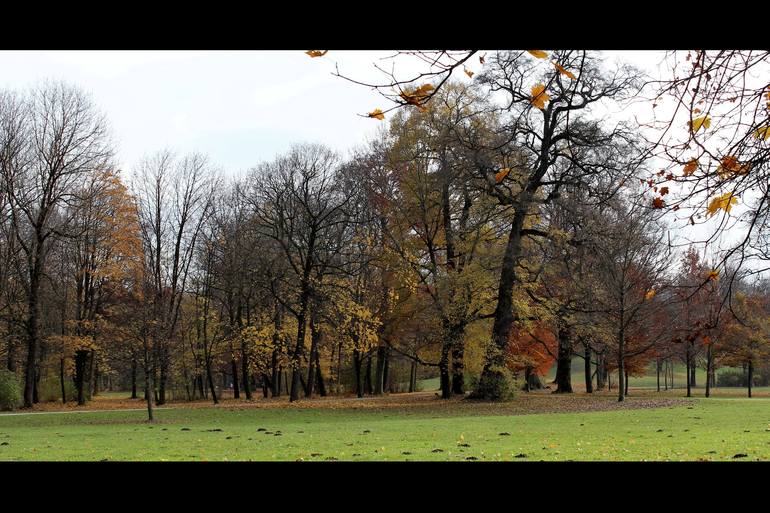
(239, 107)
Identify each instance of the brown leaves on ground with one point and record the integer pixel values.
(415, 403)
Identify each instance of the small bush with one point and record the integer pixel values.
(10, 390)
(497, 385)
(49, 390)
(737, 378)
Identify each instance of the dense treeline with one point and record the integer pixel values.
(480, 238)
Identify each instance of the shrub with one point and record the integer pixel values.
(49, 390)
(737, 378)
(497, 385)
(10, 390)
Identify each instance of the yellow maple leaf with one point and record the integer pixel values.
(690, 167)
(713, 275)
(377, 114)
(724, 202)
(563, 71)
(468, 72)
(502, 174)
(540, 54)
(697, 123)
(650, 294)
(762, 133)
(417, 96)
(539, 96)
(316, 53)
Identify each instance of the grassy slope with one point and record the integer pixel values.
(726, 426)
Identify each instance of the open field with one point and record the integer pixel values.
(415, 427)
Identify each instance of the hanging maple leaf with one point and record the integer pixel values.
(417, 96)
(563, 71)
(377, 114)
(650, 294)
(539, 96)
(762, 133)
(729, 165)
(713, 275)
(502, 174)
(540, 54)
(468, 72)
(690, 167)
(481, 59)
(658, 203)
(724, 202)
(663, 191)
(316, 53)
(697, 123)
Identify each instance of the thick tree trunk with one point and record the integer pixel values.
(564, 363)
(32, 335)
(493, 376)
(443, 365)
(601, 371)
(412, 376)
(163, 375)
(148, 384)
(315, 338)
(625, 371)
(210, 378)
(531, 380)
(657, 371)
(458, 360)
(81, 359)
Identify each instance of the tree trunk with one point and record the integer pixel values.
(81, 359)
(709, 363)
(564, 363)
(412, 377)
(443, 365)
(133, 377)
(245, 371)
(657, 371)
(587, 368)
(357, 371)
(751, 375)
(210, 379)
(61, 379)
(368, 376)
(315, 338)
(148, 384)
(379, 373)
(687, 371)
(625, 372)
(458, 361)
(32, 334)
(234, 370)
(319, 374)
(692, 373)
(492, 381)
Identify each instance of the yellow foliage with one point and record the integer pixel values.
(697, 123)
(540, 54)
(564, 71)
(724, 202)
(316, 53)
(377, 114)
(539, 96)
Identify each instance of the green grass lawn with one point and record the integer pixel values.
(711, 429)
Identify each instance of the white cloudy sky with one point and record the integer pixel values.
(239, 107)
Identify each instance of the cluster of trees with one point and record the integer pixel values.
(498, 228)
